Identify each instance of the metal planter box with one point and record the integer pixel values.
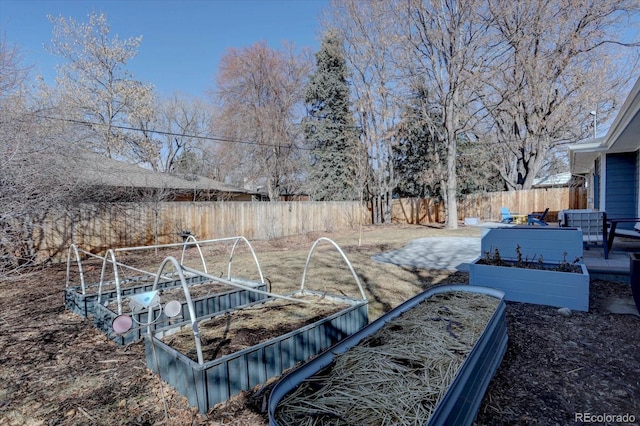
(543, 287)
(83, 304)
(217, 380)
(634, 267)
(461, 402)
(203, 306)
(548, 243)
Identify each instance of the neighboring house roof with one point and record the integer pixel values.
(621, 137)
(560, 179)
(100, 170)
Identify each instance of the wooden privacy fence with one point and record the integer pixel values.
(487, 206)
(100, 227)
(416, 211)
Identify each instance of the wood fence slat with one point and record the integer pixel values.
(486, 206)
(99, 227)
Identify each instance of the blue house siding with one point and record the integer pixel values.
(596, 184)
(622, 185)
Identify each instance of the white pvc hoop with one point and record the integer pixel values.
(184, 249)
(353, 272)
(253, 253)
(116, 276)
(79, 262)
(192, 312)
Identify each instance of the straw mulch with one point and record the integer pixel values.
(397, 375)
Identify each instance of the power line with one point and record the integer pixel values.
(563, 141)
(164, 133)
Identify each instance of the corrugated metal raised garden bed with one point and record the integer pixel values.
(428, 361)
(216, 357)
(208, 297)
(81, 299)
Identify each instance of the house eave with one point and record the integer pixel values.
(582, 156)
(621, 137)
(623, 133)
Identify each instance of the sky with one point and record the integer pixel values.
(182, 41)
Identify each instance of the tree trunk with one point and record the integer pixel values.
(378, 210)
(388, 204)
(451, 123)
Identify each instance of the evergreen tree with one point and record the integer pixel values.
(329, 127)
(189, 165)
(419, 153)
(476, 172)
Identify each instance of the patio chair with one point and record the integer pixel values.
(629, 233)
(538, 218)
(593, 224)
(506, 216)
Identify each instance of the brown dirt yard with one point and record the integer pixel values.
(57, 369)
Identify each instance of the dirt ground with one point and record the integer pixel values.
(57, 369)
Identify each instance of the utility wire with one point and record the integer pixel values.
(164, 133)
(564, 141)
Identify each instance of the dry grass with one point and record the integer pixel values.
(385, 285)
(282, 262)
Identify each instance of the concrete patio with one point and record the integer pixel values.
(456, 253)
(618, 266)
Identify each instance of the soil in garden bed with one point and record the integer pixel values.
(196, 291)
(93, 288)
(110, 285)
(399, 373)
(560, 267)
(237, 330)
(494, 259)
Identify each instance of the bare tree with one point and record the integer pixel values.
(16, 184)
(396, 48)
(13, 72)
(185, 123)
(36, 174)
(260, 98)
(224, 160)
(521, 74)
(370, 36)
(555, 62)
(446, 43)
(96, 87)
